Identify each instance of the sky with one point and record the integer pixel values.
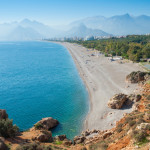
(56, 12)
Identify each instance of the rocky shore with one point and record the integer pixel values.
(129, 132)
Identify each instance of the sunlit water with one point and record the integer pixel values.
(40, 79)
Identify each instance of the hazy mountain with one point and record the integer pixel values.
(118, 25)
(22, 33)
(82, 31)
(92, 26)
(25, 30)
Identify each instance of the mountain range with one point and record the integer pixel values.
(118, 25)
(92, 26)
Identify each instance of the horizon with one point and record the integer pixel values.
(64, 12)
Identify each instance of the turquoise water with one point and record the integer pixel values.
(39, 79)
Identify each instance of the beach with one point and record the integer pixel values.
(103, 78)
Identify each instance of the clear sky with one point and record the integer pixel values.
(55, 12)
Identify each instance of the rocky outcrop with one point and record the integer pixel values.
(135, 77)
(106, 134)
(67, 142)
(78, 139)
(117, 101)
(3, 145)
(43, 136)
(3, 114)
(60, 137)
(46, 123)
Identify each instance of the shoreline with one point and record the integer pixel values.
(99, 73)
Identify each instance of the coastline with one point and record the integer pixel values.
(102, 79)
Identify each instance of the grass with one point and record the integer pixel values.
(58, 142)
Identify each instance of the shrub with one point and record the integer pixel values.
(119, 129)
(128, 119)
(32, 146)
(120, 125)
(139, 136)
(58, 142)
(131, 123)
(38, 126)
(7, 129)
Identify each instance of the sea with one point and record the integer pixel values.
(39, 79)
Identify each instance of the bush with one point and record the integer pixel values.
(139, 136)
(131, 123)
(7, 129)
(119, 129)
(128, 119)
(38, 126)
(33, 146)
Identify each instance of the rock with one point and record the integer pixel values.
(45, 136)
(106, 134)
(143, 126)
(78, 139)
(47, 123)
(137, 98)
(67, 142)
(3, 145)
(135, 107)
(3, 114)
(85, 133)
(135, 77)
(117, 101)
(60, 137)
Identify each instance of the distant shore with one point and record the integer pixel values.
(103, 79)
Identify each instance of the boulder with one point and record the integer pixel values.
(78, 139)
(45, 136)
(3, 114)
(106, 134)
(3, 145)
(135, 106)
(67, 142)
(47, 123)
(135, 77)
(86, 133)
(60, 137)
(117, 101)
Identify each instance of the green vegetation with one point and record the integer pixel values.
(140, 137)
(7, 129)
(38, 126)
(58, 142)
(133, 47)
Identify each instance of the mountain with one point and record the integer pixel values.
(82, 31)
(118, 25)
(25, 30)
(22, 33)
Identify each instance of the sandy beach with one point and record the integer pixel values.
(103, 79)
